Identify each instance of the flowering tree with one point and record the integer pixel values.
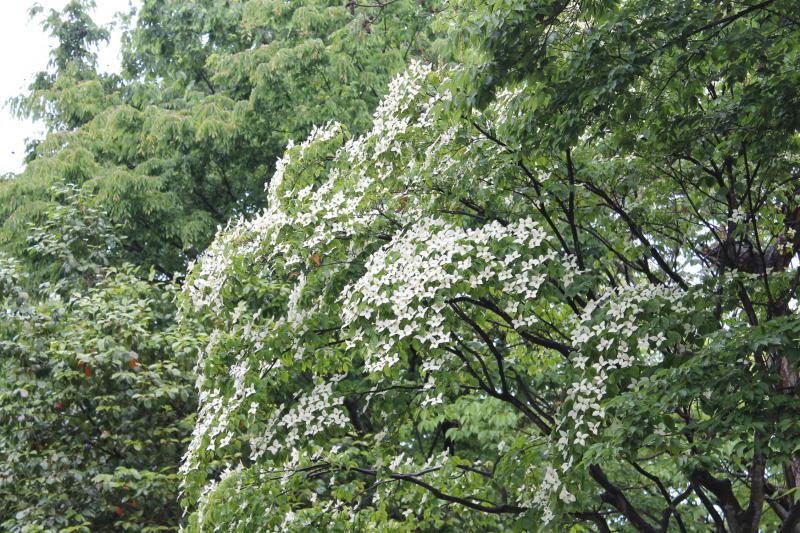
(552, 288)
(133, 175)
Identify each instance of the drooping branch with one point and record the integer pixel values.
(468, 502)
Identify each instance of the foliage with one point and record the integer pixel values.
(550, 284)
(72, 245)
(52, 94)
(95, 401)
(552, 288)
(134, 175)
(95, 395)
(212, 90)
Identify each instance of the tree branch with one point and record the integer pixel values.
(614, 496)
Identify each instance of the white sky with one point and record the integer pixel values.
(24, 51)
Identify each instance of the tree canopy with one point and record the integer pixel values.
(135, 173)
(552, 288)
(96, 396)
(211, 92)
(533, 268)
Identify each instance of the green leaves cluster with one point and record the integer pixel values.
(639, 372)
(550, 283)
(131, 182)
(95, 402)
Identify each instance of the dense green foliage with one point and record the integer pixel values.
(135, 174)
(552, 288)
(96, 393)
(95, 403)
(534, 268)
(212, 92)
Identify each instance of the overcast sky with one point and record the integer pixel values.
(25, 50)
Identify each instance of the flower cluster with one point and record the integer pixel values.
(615, 331)
(409, 284)
(312, 413)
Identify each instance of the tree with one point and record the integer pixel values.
(96, 398)
(58, 96)
(552, 288)
(186, 138)
(129, 184)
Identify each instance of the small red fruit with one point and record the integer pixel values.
(118, 510)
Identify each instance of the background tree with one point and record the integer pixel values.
(96, 396)
(212, 91)
(554, 287)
